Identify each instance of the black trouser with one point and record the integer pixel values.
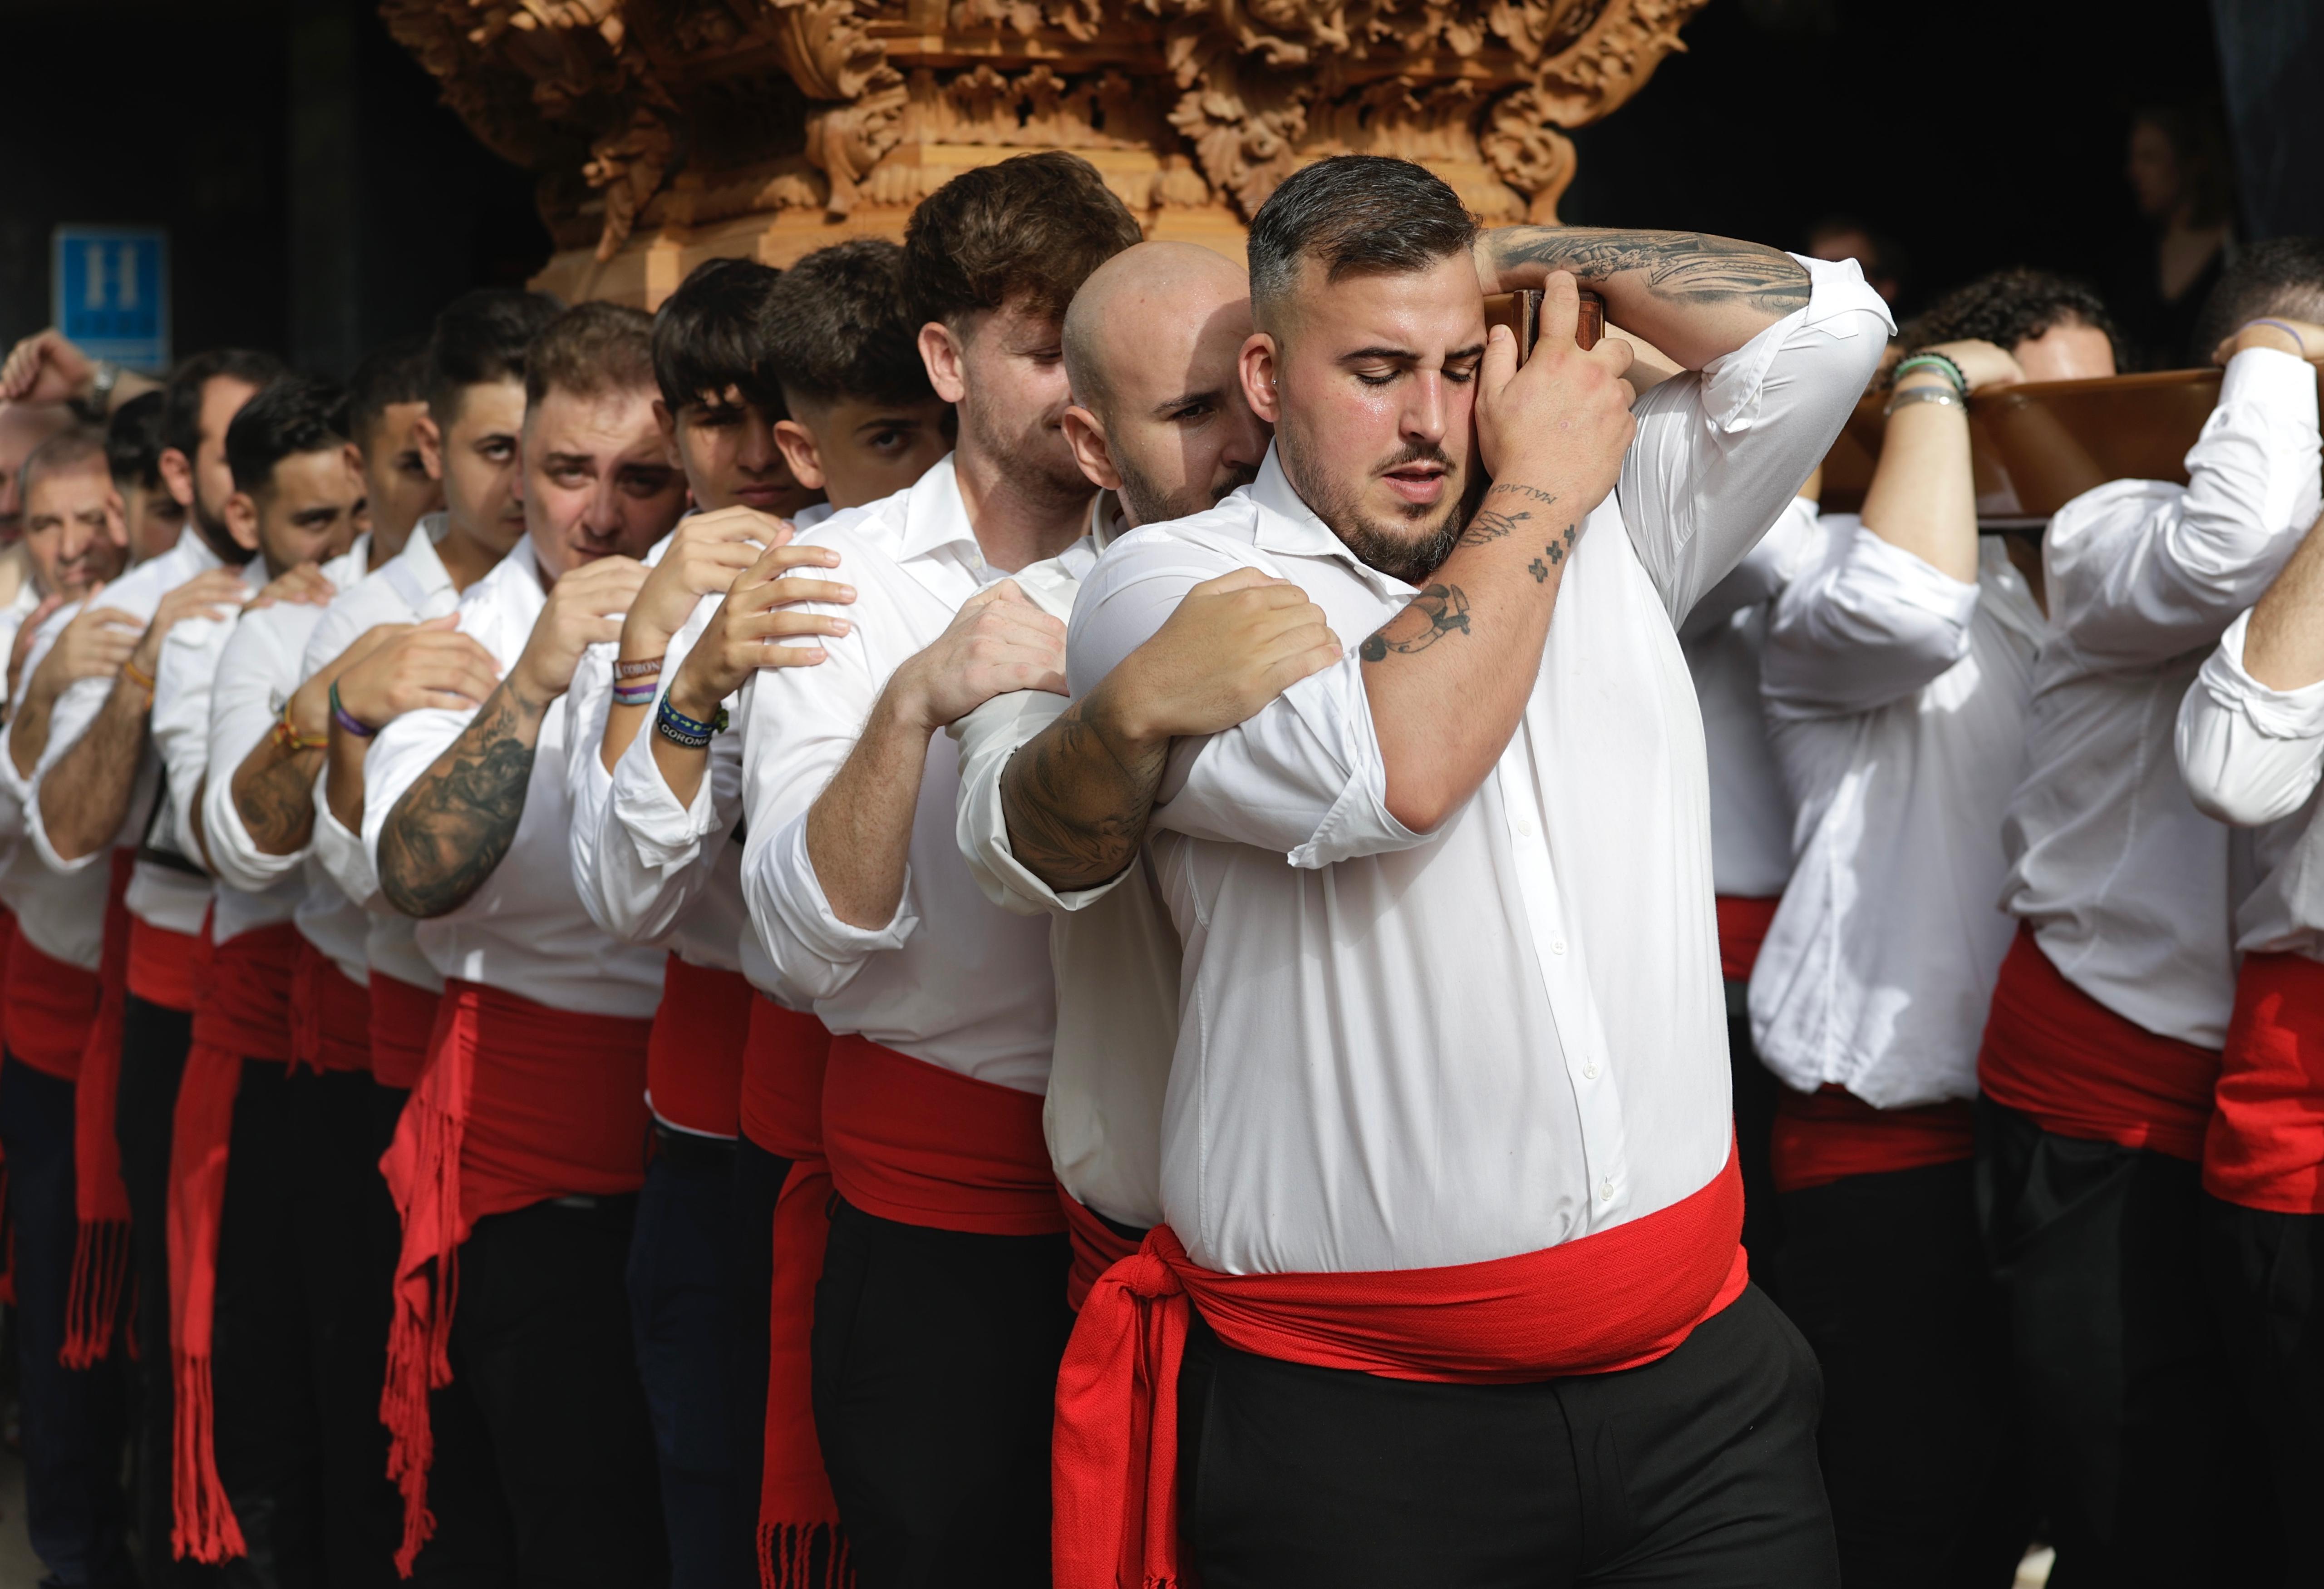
(75, 1421)
(2133, 1446)
(345, 1226)
(1755, 1091)
(758, 1178)
(1884, 1277)
(154, 1043)
(2263, 1270)
(679, 1309)
(1699, 1468)
(936, 1369)
(544, 1470)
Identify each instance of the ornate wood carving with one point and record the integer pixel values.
(664, 131)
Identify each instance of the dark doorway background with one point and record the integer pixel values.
(320, 200)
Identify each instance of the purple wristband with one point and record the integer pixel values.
(345, 719)
(635, 695)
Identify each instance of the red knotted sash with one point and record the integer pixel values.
(402, 1024)
(1613, 1300)
(100, 1264)
(694, 1062)
(330, 1014)
(519, 1104)
(243, 1013)
(922, 1145)
(1097, 1247)
(2265, 1146)
(2078, 1070)
(1743, 926)
(782, 1112)
(1830, 1135)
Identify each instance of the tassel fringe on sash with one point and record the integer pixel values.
(97, 1296)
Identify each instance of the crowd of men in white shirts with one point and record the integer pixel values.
(1030, 909)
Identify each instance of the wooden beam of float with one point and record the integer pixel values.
(668, 132)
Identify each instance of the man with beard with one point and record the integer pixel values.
(1450, 1142)
(387, 401)
(94, 786)
(1159, 421)
(940, 1313)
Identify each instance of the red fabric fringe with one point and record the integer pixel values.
(799, 1518)
(98, 1289)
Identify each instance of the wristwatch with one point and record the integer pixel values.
(105, 374)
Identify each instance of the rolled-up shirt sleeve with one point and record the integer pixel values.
(1303, 777)
(1872, 625)
(2250, 754)
(989, 737)
(2139, 571)
(1719, 455)
(254, 676)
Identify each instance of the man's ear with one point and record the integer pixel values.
(178, 474)
(1259, 365)
(242, 520)
(1086, 437)
(940, 351)
(801, 453)
(430, 442)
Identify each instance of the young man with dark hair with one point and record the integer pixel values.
(132, 443)
(516, 1164)
(387, 400)
(941, 1311)
(1555, 1204)
(2101, 1059)
(92, 785)
(718, 408)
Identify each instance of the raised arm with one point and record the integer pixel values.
(1693, 296)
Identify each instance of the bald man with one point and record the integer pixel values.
(1159, 421)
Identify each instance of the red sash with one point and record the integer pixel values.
(1743, 926)
(50, 1006)
(1830, 1135)
(519, 1104)
(1097, 1247)
(162, 964)
(922, 1145)
(783, 1061)
(1613, 1300)
(2265, 1146)
(243, 1013)
(100, 1265)
(2053, 1052)
(694, 1061)
(330, 1015)
(403, 1022)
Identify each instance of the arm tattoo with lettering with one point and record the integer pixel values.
(1077, 802)
(1439, 610)
(1684, 267)
(1556, 552)
(1491, 524)
(452, 829)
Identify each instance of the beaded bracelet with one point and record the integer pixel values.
(646, 668)
(1931, 361)
(636, 694)
(683, 731)
(287, 734)
(347, 719)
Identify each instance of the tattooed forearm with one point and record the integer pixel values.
(1490, 523)
(1077, 797)
(1684, 267)
(1555, 552)
(274, 796)
(1439, 610)
(451, 828)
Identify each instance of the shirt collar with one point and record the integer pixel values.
(935, 517)
(1287, 524)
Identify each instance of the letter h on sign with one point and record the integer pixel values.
(109, 292)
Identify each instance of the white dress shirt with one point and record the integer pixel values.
(649, 869)
(161, 895)
(1750, 813)
(1896, 701)
(951, 979)
(410, 588)
(2131, 890)
(2253, 756)
(1403, 1050)
(62, 913)
(258, 670)
(1113, 948)
(523, 931)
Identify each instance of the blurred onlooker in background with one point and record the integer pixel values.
(23, 426)
(1843, 237)
(132, 447)
(387, 400)
(2183, 180)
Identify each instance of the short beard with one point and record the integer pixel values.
(1149, 503)
(212, 529)
(1410, 551)
(1047, 476)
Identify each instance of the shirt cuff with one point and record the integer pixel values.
(2282, 383)
(2278, 714)
(1733, 383)
(803, 908)
(344, 860)
(665, 834)
(1359, 822)
(235, 857)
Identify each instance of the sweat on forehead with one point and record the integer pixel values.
(1118, 307)
(1351, 215)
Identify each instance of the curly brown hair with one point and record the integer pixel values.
(2010, 307)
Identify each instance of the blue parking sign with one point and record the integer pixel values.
(110, 289)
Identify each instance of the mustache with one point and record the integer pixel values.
(1419, 452)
